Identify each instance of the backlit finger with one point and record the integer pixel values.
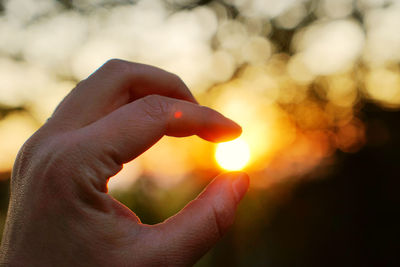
(113, 85)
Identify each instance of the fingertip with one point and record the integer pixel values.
(240, 185)
(219, 137)
(239, 182)
(232, 130)
(233, 127)
(221, 129)
(228, 130)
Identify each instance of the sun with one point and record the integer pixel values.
(233, 155)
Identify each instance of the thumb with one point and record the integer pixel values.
(188, 235)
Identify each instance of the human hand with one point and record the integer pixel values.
(60, 212)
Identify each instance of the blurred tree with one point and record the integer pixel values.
(5, 110)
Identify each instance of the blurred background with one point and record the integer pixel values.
(314, 84)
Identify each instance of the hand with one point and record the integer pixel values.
(60, 212)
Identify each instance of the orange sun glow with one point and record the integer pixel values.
(233, 155)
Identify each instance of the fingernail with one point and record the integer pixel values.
(240, 186)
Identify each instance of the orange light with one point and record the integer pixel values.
(177, 114)
(233, 155)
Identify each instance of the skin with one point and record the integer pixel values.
(60, 213)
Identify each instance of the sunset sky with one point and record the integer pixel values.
(314, 84)
(292, 73)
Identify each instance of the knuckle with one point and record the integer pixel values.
(53, 166)
(45, 156)
(116, 65)
(33, 147)
(156, 107)
(110, 161)
(38, 160)
(62, 165)
(113, 62)
(52, 153)
(208, 112)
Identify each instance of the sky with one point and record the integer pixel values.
(293, 73)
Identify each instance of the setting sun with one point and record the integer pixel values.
(233, 155)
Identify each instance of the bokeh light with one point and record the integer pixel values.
(284, 70)
(295, 74)
(281, 69)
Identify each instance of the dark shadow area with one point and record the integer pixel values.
(349, 218)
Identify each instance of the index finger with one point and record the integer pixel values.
(129, 131)
(113, 85)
